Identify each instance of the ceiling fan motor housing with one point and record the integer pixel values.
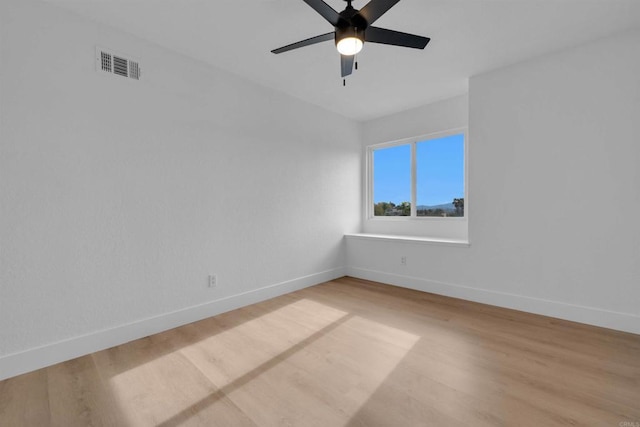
(350, 24)
(343, 33)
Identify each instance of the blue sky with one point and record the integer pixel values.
(440, 172)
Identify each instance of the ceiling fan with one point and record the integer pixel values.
(353, 28)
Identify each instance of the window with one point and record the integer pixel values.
(418, 178)
(392, 181)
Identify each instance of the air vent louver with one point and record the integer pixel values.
(120, 66)
(117, 64)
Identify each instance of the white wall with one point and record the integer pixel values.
(554, 182)
(119, 197)
(441, 116)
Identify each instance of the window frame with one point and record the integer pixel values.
(413, 141)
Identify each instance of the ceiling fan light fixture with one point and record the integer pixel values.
(349, 41)
(349, 46)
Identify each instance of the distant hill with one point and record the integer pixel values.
(447, 207)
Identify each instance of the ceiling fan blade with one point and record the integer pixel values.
(375, 9)
(325, 10)
(307, 42)
(396, 38)
(346, 64)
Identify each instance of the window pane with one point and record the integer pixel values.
(392, 181)
(440, 176)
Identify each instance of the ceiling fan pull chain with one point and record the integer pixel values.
(356, 53)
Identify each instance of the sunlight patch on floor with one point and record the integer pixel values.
(233, 353)
(255, 358)
(142, 392)
(228, 358)
(306, 390)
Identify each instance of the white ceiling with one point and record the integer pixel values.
(468, 37)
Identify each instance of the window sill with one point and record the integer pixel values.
(417, 218)
(409, 239)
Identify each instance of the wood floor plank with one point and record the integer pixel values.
(24, 400)
(78, 397)
(346, 353)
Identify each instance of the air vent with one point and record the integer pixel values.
(117, 64)
(106, 61)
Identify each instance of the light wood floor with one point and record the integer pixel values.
(346, 353)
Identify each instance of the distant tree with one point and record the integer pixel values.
(390, 208)
(383, 208)
(378, 209)
(405, 208)
(459, 205)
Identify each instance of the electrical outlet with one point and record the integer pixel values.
(403, 260)
(213, 280)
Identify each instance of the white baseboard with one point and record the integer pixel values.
(50, 354)
(592, 316)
